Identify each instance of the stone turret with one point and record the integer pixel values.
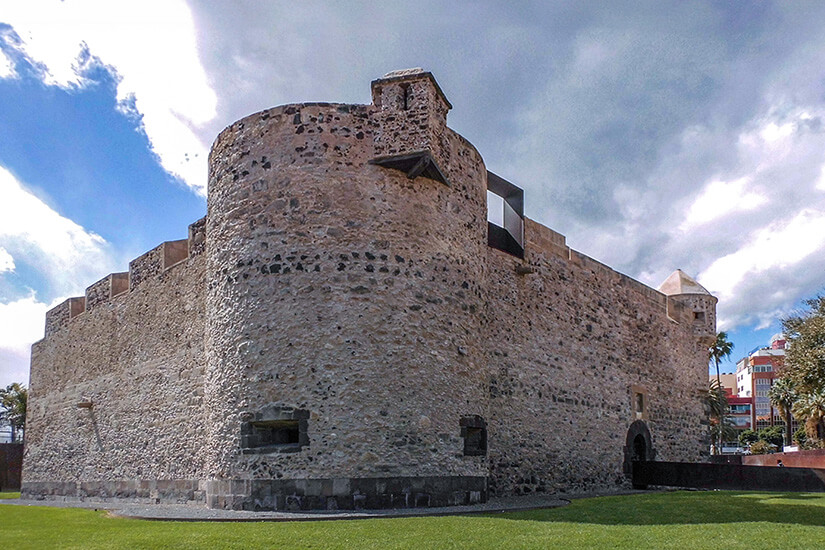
(688, 301)
(412, 122)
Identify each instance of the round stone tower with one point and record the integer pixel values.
(342, 240)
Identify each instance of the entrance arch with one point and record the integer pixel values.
(638, 446)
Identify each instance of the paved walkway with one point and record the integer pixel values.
(199, 512)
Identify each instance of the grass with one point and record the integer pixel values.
(9, 495)
(680, 520)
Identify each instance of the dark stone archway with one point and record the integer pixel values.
(638, 446)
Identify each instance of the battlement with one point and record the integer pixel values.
(145, 267)
(543, 243)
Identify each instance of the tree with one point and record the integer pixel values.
(13, 408)
(800, 437)
(811, 407)
(805, 359)
(805, 364)
(783, 395)
(720, 349)
(716, 403)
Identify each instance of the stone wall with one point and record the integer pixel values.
(570, 342)
(116, 392)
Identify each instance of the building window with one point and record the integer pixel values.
(474, 433)
(699, 316)
(275, 430)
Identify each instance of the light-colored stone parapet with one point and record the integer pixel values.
(146, 266)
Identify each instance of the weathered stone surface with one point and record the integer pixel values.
(336, 331)
(139, 359)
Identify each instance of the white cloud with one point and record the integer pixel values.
(21, 324)
(6, 261)
(152, 48)
(6, 66)
(778, 248)
(773, 132)
(820, 182)
(720, 198)
(68, 256)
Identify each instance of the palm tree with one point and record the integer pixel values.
(783, 395)
(811, 407)
(716, 402)
(720, 349)
(13, 407)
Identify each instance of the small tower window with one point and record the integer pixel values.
(639, 402)
(406, 96)
(699, 316)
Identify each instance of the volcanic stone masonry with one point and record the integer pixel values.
(345, 329)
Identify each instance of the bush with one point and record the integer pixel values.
(748, 437)
(811, 444)
(762, 447)
(774, 435)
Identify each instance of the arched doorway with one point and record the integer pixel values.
(639, 451)
(638, 447)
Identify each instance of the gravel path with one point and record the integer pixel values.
(199, 512)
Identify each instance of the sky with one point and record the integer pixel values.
(654, 135)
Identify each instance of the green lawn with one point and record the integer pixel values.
(683, 520)
(9, 495)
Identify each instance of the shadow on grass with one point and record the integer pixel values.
(686, 508)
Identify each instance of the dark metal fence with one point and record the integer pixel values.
(728, 476)
(11, 466)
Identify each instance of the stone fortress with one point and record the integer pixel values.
(345, 329)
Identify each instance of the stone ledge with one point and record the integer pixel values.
(346, 493)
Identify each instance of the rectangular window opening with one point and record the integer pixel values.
(275, 431)
(639, 402)
(505, 216)
(474, 432)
